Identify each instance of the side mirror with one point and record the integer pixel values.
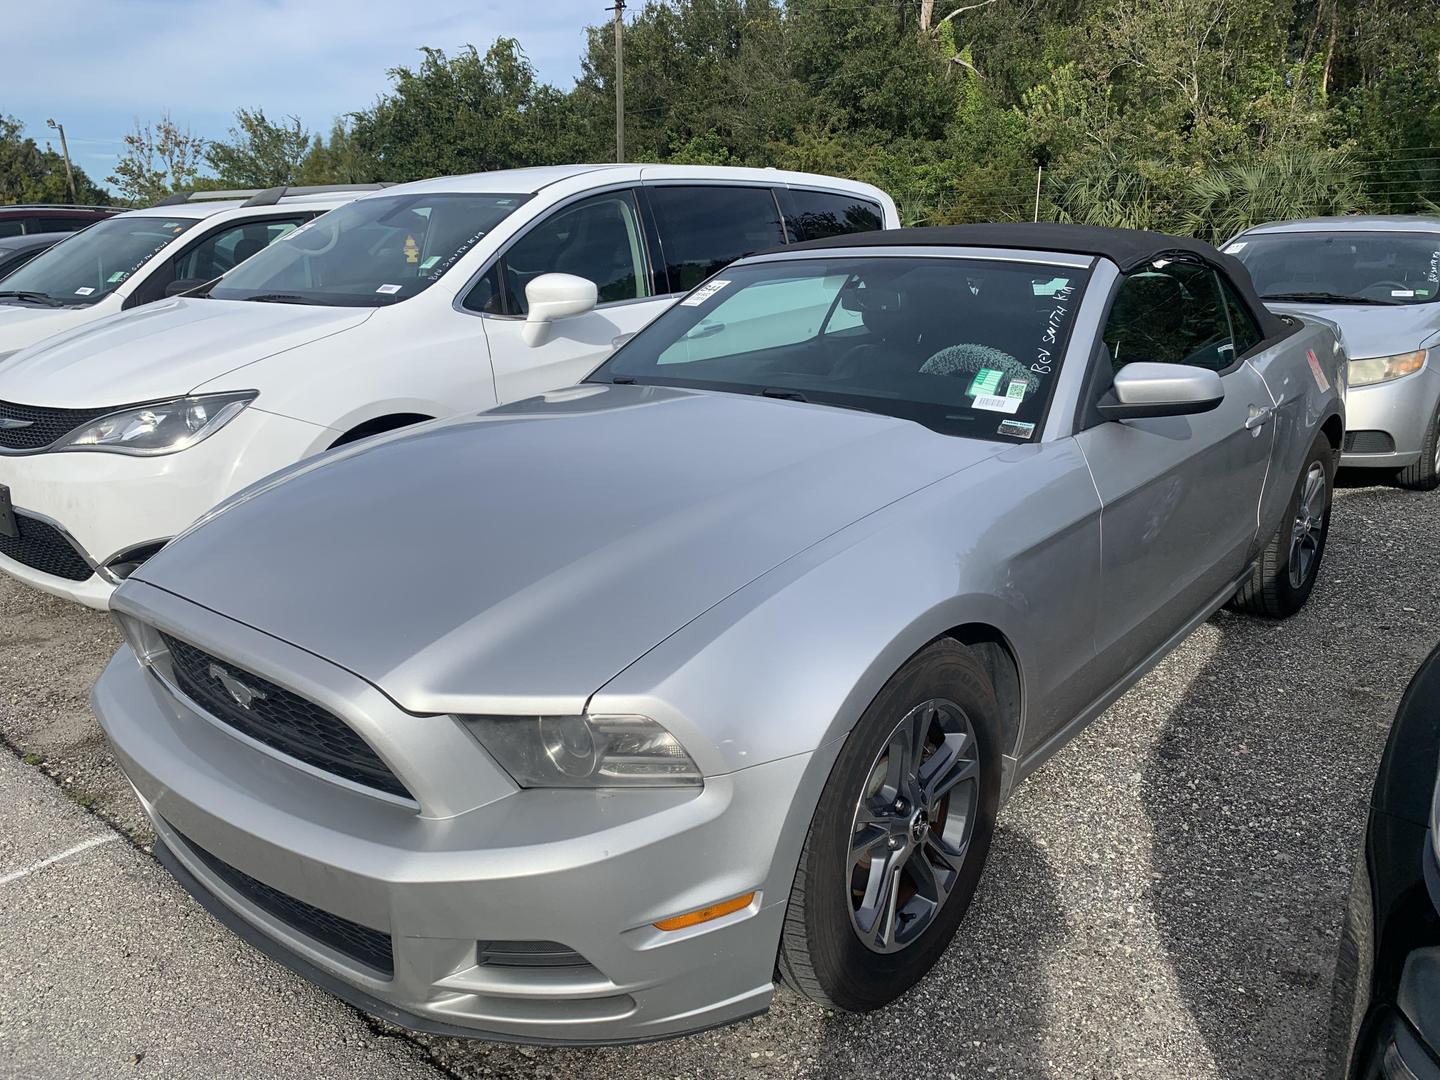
(184, 285)
(555, 296)
(1143, 390)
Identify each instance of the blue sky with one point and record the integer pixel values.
(108, 64)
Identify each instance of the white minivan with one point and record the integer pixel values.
(418, 301)
(141, 256)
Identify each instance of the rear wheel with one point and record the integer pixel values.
(899, 836)
(1424, 475)
(1286, 571)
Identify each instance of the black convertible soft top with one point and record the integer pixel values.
(1129, 249)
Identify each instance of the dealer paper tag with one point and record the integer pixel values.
(703, 293)
(996, 403)
(1316, 370)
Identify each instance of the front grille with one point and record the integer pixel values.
(529, 954)
(279, 719)
(41, 546)
(370, 947)
(42, 426)
(1369, 442)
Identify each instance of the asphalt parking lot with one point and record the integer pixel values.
(1163, 899)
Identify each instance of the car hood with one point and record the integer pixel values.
(162, 350)
(23, 325)
(1373, 330)
(517, 559)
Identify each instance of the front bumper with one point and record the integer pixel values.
(104, 505)
(590, 870)
(1387, 423)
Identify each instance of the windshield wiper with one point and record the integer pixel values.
(34, 297)
(277, 298)
(1324, 298)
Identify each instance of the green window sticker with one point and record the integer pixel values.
(987, 382)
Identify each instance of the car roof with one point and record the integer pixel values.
(1353, 223)
(1128, 249)
(531, 180)
(32, 240)
(57, 209)
(320, 201)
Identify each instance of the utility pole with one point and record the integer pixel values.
(619, 10)
(65, 149)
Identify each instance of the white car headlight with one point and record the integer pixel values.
(1378, 369)
(160, 428)
(585, 751)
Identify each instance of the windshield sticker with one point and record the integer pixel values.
(1018, 428)
(1402, 292)
(987, 381)
(703, 293)
(389, 290)
(1017, 389)
(1316, 370)
(1236, 247)
(450, 260)
(412, 250)
(431, 261)
(116, 277)
(1054, 325)
(996, 403)
(84, 291)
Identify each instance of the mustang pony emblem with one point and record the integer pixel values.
(241, 694)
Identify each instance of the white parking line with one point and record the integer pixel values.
(84, 845)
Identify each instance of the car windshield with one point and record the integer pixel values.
(1343, 267)
(88, 266)
(370, 252)
(964, 346)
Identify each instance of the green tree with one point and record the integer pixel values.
(261, 152)
(159, 159)
(466, 113)
(29, 173)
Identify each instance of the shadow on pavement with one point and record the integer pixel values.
(1257, 793)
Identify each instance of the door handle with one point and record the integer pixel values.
(1260, 415)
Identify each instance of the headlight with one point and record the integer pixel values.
(1378, 369)
(161, 428)
(585, 751)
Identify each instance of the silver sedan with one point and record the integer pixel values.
(1378, 279)
(576, 720)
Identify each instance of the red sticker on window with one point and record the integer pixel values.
(1316, 370)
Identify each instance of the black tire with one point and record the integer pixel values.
(1271, 592)
(1424, 475)
(822, 955)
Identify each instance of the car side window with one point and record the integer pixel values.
(703, 228)
(12, 227)
(1170, 313)
(226, 249)
(1242, 323)
(58, 224)
(486, 295)
(813, 215)
(599, 239)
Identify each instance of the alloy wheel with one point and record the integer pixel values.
(912, 826)
(1308, 531)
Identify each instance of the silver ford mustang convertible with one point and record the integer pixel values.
(580, 719)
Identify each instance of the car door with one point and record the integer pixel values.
(1180, 494)
(601, 238)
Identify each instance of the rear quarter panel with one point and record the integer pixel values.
(1305, 398)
